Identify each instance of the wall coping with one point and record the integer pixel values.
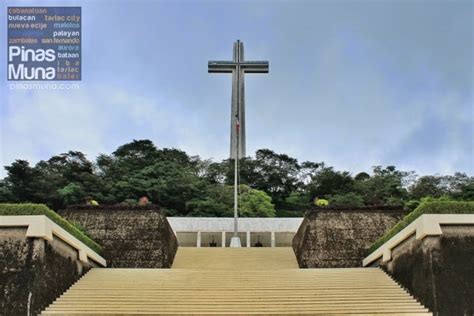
(425, 225)
(41, 226)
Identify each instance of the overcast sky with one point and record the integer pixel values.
(352, 83)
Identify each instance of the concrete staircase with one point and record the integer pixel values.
(236, 281)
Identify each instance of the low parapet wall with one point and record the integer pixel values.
(268, 231)
(433, 258)
(341, 238)
(131, 237)
(38, 262)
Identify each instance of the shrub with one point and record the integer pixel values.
(412, 204)
(80, 228)
(436, 207)
(321, 202)
(41, 209)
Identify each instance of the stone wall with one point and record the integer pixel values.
(131, 237)
(437, 270)
(34, 272)
(341, 238)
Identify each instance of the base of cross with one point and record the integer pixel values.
(235, 242)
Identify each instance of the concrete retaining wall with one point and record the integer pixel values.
(34, 271)
(437, 270)
(130, 238)
(340, 238)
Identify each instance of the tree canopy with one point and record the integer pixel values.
(270, 183)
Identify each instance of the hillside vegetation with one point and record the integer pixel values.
(271, 183)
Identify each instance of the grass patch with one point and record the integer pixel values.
(41, 209)
(438, 207)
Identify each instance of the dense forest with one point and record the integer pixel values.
(271, 184)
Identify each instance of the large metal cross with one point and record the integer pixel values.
(238, 67)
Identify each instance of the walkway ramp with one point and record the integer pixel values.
(245, 281)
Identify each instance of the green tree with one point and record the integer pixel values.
(217, 200)
(6, 195)
(460, 186)
(21, 181)
(350, 199)
(66, 179)
(385, 186)
(255, 203)
(127, 160)
(297, 200)
(427, 186)
(73, 193)
(362, 176)
(220, 202)
(137, 150)
(169, 177)
(329, 182)
(167, 183)
(277, 174)
(213, 172)
(308, 170)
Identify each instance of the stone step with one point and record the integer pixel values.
(224, 281)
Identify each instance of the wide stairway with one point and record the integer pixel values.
(236, 281)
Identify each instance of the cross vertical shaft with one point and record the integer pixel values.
(237, 135)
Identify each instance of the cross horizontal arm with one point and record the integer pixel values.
(255, 66)
(221, 66)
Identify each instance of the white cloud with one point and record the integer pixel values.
(39, 124)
